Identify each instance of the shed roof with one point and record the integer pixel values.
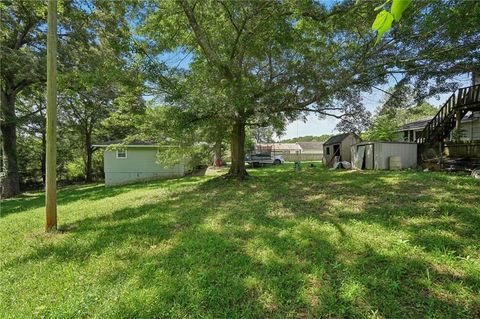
(337, 139)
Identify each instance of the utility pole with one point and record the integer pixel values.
(51, 153)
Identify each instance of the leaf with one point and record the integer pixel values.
(382, 23)
(398, 6)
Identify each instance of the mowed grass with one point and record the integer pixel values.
(283, 244)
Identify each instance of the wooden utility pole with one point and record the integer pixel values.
(51, 153)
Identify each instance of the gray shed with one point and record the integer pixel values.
(377, 155)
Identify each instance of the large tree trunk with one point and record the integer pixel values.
(88, 157)
(11, 179)
(237, 169)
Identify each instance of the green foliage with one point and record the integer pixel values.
(415, 113)
(261, 63)
(308, 244)
(383, 128)
(249, 144)
(398, 7)
(392, 115)
(98, 76)
(382, 23)
(384, 19)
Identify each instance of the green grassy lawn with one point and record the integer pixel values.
(283, 244)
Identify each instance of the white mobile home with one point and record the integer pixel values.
(379, 155)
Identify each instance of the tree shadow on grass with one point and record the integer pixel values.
(277, 247)
(88, 192)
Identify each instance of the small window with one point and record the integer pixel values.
(121, 153)
(328, 150)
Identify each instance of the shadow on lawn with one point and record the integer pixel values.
(71, 194)
(205, 252)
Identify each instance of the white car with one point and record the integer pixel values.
(261, 159)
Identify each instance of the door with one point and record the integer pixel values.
(369, 156)
(360, 156)
(336, 150)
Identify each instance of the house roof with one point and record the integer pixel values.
(337, 139)
(420, 124)
(135, 143)
(311, 145)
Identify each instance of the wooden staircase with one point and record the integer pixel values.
(439, 128)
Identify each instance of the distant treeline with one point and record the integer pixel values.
(308, 138)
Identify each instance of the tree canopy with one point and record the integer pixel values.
(248, 68)
(264, 62)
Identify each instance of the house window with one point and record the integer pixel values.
(121, 153)
(328, 150)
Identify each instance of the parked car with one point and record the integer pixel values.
(262, 159)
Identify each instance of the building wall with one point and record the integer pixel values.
(345, 147)
(471, 130)
(345, 153)
(379, 153)
(140, 164)
(327, 156)
(413, 134)
(383, 152)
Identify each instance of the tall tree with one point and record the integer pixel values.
(23, 51)
(82, 24)
(87, 95)
(23, 64)
(268, 60)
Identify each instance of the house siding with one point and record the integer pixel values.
(471, 130)
(140, 164)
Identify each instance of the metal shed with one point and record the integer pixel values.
(376, 155)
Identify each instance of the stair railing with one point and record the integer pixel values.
(464, 97)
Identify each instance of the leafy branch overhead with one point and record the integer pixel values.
(383, 21)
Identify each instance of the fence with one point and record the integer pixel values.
(291, 157)
(450, 149)
(462, 149)
(302, 157)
